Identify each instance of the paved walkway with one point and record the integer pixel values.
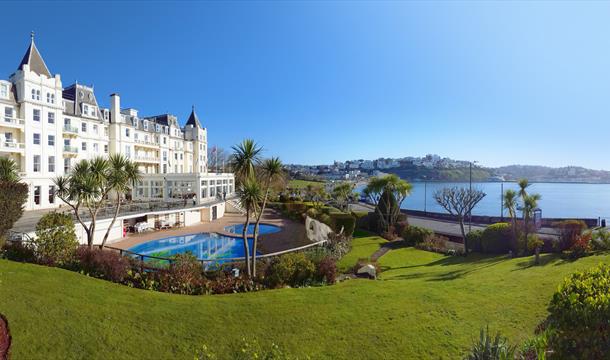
(292, 234)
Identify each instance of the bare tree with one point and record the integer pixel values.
(459, 202)
(219, 160)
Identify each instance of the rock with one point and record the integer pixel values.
(368, 270)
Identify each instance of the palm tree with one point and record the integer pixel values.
(86, 185)
(250, 195)
(271, 170)
(246, 156)
(510, 204)
(523, 185)
(530, 203)
(8, 170)
(122, 176)
(343, 193)
(387, 193)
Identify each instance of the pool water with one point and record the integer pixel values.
(203, 246)
(262, 229)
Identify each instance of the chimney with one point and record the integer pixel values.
(115, 108)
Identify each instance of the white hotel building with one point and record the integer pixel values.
(47, 128)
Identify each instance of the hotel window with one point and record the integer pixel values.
(92, 112)
(106, 149)
(8, 137)
(37, 195)
(36, 163)
(96, 148)
(37, 94)
(66, 165)
(127, 132)
(33, 94)
(51, 194)
(83, 127)
(85, 109)
(8, 112)
(145, 124)
(49, 97)
(36, 115)
(164, 140)
(4, 91)
(51, 140)
(158, 128)
(127, 151)
(135, 136)
(95, 130)
(51, 118)
(84, 146)
(36, 139)
(52, 98)
(204, 193)
(51, 163)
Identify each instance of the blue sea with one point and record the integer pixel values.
(559, 200)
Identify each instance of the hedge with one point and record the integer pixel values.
(496, 239)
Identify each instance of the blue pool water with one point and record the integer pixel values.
(262, 229)
(203, 246)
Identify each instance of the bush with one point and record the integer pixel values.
(580, 315)
(313, 213)
(338, 245)
(55, 242)
(19, 251)
(342, 221)
(13, 196)
(327, 270)
(496, 239)
(434, 243)
(475, 237)
(489, 347)
(103, 264)
(414, 235)
(293, 269)
(570, 230)
(184, 275)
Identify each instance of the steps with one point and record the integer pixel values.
(234, 205)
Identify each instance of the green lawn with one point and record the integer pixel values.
(301, 184)
(425, 306)
(363, 246)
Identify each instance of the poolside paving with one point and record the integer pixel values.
(291, 236)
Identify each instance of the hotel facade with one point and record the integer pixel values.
(46, 128)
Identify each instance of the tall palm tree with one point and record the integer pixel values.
(8, 170)
(530, 203)
(271, 170)
(250, 195)
(246, 156)
(86, 186)
(122, 176)
(387, 193)
(343, 193)
(510, 204)
(523, 185)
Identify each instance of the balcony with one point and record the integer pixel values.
(11, 146)
(146, 159)
(146, 144)
(70, 130)
(12, 122)
(70, 150)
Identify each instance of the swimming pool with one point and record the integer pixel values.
(262, 229)
(203, 246)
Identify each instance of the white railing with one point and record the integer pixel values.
(146, 142)
(70, 149)
(12, 121)
(146, 158)
(11, 145)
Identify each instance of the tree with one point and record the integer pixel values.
(534, 243)
(246, 156)
(218, 159)
(8, 170)
(123, 174)
(318, 196)
(523, 185)
(55, 240)
(510, 204)
(530, 203)
(387, 193)
(250, 194)
(459, 202)
(270, 171)
(13, 196)
(343, 193)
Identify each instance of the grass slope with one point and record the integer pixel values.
(364, 245)
(425, 306)
(302, 184)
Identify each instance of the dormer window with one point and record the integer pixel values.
(157, 128)
(145, 125)
(4, 91)
(81, 94)
(85, 109)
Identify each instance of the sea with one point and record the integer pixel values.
(559, 200)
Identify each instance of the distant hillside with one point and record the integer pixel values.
(549, 174)
(420, 173)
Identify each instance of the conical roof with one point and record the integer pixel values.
(33, 58)
(193, 119)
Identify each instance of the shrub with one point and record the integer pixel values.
(434, 243)
(475, 237)
(400, 227)
(338, 245)
(582, 245)
(601, 240)
(5, 338)
(313, 213)
(489, 347)
(19, 251)
(496, 239)
(414, 235)
(327, 270)
(293, 269)
(184, 275)
(55, 242)
(103, 264)
(570, 230)
(342, 221)
(580, 315)
(13, 196)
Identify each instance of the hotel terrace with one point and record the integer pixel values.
(47, 128)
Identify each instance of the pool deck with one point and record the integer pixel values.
(291, 236)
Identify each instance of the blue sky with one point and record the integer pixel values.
(497, 82)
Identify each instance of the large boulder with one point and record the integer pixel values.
(368, 271)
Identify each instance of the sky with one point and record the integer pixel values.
(312, 82)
